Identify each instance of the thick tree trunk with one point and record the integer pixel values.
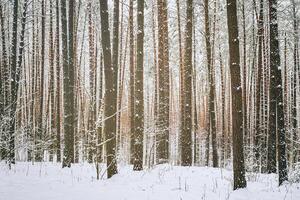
(68, 71)
(276, 102)
(237, 104)
(110, 96)
(162, 136)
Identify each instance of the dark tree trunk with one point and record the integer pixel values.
(276, 102)
(4, 80)
(131, 80)
(58, 91)
(115, 53)
(186, 132)
(162, 136)
(51, 84)
(138, 92)
(212, 115)
(237, 104)
(92, 77)
(110, 98)
(14, 86)
(258, 129)
(68, 71)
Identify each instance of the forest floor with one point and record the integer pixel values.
(47, 181)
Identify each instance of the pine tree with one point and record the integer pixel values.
(186, 129)
(237, 114)
(276, 101)
(138, 92)
(110, 96)
(131, 81)
(68, 80)
(14, 76)
(162, 136)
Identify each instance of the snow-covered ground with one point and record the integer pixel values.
(47, 181)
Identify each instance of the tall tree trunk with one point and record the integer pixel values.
(276, 102)
(68, 71)
(212, 115)
(162, 138)
(58, 86)
(222, 74)
(4, 82)
(92, 73)
(181, 68)
(51, 84)
(138, 92)
(40, 132)
(294, 86)
(237, 104)
(186, 131)
(115, 51)
(258, 125)
(131, 80)
(245, 112)
(14, 87)
(110, 96)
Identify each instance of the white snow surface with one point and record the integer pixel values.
(48, 181)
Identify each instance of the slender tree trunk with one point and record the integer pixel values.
(294, 86)
(14, 86)
(138, 92)
(58, 87)
(258, 125)
(245, 111)
(4, 82)
(181, 67)
(131, 80)
(92, 76)
(186, 135)
(51, 84)
(115, 52)
(40, 132)
(212, 115)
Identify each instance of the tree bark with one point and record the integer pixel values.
(186, 131)
(110, 96)
(138, 92)
(237, 114)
